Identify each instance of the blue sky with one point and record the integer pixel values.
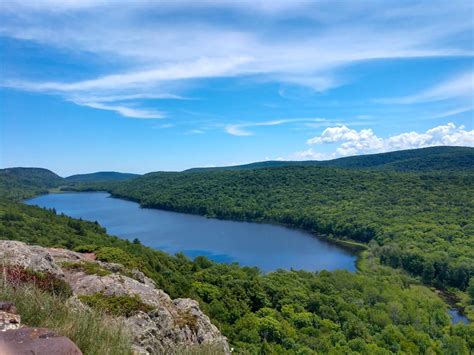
(149, 85)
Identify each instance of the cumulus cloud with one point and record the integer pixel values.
(366, 141)
(447, 134)
(310, 154)
(353, 141)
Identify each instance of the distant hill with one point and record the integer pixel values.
(31, 176)
(21, 183)
(18, 183)
(423, 159)
(101, 176)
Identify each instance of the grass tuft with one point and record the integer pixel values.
(92, 331)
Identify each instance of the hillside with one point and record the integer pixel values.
(420, 222)
(31, 176)
(19, 183)
(375, 311)
(423, 159)
(414, 221)
(100, 176)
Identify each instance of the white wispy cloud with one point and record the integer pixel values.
(352, 142)
(453, 112)
(194, 131)
(241, 129)
(460, 86)
(164, 126)
(202, 68)
(153, 51)
(125, 110)
(138, 96)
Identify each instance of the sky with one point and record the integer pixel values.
(140, 86)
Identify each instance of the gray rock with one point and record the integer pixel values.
(27, 256)
(170, 326)
(61, 255)
(38, 341)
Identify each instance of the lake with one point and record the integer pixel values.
(268, 247)
(457, 317)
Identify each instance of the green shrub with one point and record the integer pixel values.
(123, 305)
(86, 248)
(116, 255)
(87, 267)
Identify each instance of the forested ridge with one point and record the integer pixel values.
(418, 227)
(421, 222)
(100, 177)
(424, 159)
(19, 183)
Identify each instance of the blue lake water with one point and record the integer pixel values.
(457, 317)
(252, 244)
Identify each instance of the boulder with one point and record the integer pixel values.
(38, 341)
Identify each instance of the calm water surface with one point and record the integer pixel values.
(457, 317)
(266, 246)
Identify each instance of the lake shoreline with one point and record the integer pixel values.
(240, 241)
(355, 247)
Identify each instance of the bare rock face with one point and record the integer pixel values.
(171, 325)
(28, 256)
(38, 341)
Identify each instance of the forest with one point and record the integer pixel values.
(421, 222)
(416, 226)
(376, 311)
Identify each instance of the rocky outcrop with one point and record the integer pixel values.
(169, 325)
(28, 256)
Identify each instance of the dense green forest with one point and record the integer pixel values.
(424, 159)
(19, 183)
(378, 311)
(420, 222)
(100, 177)
(417, 226)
